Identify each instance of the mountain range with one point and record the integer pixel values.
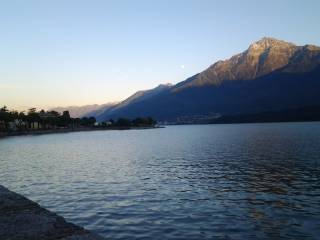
(86, 110)
(271, 75)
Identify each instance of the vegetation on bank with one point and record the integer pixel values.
(125, 122)
(11, 120)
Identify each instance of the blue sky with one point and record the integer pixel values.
(74, 52)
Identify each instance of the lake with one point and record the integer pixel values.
(237, 181)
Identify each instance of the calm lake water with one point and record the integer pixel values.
(239, 181)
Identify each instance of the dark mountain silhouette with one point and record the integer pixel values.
(271, 75)
(140, 96)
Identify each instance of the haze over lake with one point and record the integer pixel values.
(249, 181)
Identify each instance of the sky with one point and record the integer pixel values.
(75, 52)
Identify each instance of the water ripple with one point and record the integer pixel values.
(249, 181)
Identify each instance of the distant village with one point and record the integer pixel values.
(33, 120)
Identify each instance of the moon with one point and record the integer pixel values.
(182, 66)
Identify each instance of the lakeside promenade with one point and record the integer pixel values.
(23, 219)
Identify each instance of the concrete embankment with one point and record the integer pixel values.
(23, 219)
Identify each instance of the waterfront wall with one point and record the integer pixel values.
(23, 219)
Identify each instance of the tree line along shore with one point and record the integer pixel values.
(13, 122)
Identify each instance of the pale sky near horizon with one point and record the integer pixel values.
(74, 52)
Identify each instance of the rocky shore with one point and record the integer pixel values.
(23, 219)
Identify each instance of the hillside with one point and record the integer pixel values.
(270, 75)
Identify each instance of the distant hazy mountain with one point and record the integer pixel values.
(270, 75)
(97, 110)
(87, 110)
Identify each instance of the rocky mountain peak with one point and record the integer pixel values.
(262, 57)
(268, 42)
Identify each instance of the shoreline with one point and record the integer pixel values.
(53, 131)
(23, 219)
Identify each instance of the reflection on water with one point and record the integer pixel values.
(247, 181)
